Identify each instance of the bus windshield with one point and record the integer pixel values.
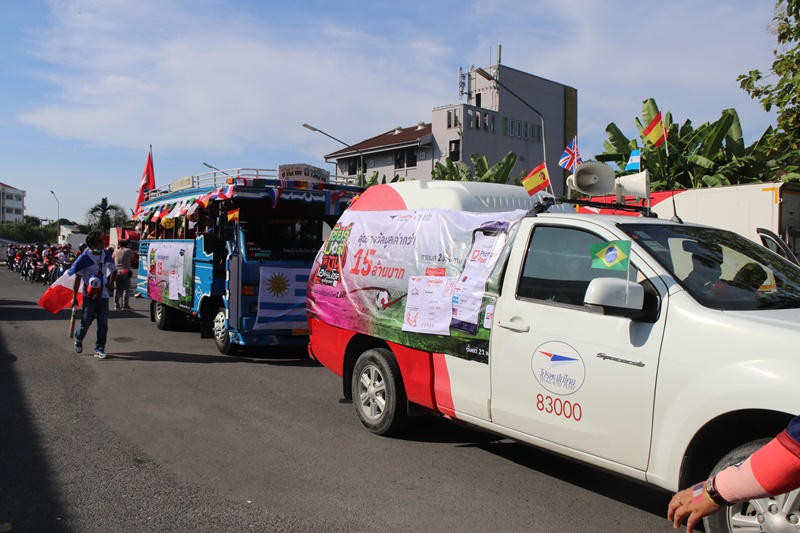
(281, 239)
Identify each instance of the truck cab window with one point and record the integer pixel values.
(558, 265)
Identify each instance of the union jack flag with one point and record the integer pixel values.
(571, 156)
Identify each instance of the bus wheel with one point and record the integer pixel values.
(378, 392)
(165, 317)
(222, 337)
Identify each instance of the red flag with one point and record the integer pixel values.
(148, 182)
(59, 295)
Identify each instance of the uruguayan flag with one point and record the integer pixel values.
(282, 298)
(635, 162)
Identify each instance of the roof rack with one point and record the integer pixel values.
(549, 201)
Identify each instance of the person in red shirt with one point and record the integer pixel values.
(772, 470)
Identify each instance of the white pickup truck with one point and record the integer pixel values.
(656, 350)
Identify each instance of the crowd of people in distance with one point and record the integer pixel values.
(39, 262)
(44, 263)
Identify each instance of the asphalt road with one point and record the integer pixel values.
(168, 435)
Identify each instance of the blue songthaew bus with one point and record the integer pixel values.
(233, 249)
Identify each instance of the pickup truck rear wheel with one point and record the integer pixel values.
(772, 514)
(222, 337)
(378, 392)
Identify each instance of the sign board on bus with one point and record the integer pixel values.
(303, 172)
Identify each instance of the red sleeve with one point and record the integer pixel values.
(776, 466)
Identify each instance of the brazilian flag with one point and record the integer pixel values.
(613, 255)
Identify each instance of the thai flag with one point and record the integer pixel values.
(59, 295)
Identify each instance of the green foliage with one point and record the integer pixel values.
(710, 155)
(29, 232)
(460, 171)
(782, 147)
(374, 179)
(103, 216)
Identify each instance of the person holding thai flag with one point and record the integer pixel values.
(85, 284)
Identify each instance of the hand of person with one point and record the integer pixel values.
(692, 503)
(74, 300)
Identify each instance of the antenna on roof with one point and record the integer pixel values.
(461, 84)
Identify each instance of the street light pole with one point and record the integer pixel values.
(360, 153)
(483, 74)
(58, 217)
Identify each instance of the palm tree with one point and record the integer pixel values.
(102, 216)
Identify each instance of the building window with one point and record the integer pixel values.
(400, 159)
(469, 118)
(478, 100)
(525, 131)
(352, 166)
(491, 124)
(505, 126)
(456, 119)
(455, 150)
(421, 155)
(486, 122)
(519, 128)
(411, 157)
(538, 133)
(371, 163)
(512, 127)
(449, 118)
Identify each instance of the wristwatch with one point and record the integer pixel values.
(713, 493)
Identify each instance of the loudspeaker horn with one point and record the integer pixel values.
(633, 185)
(593, 179)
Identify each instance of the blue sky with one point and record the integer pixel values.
(87, 85)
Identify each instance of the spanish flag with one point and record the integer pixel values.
(613, 255)
(537, 180)
(233, 214)
(655, 132)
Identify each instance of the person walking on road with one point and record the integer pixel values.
(773, 469)
(98, 271)
(122, 258)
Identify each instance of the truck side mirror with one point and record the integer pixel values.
(613, 296)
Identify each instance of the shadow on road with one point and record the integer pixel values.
(28, 498)
(643, 497)
(275, 357)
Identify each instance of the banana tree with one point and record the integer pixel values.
(459, 171)
(707, 156)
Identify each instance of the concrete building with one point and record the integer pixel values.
(12, 204)
(496, 118)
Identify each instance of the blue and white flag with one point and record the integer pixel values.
(635, 162)
(282, 298)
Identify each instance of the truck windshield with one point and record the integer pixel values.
(720, 269)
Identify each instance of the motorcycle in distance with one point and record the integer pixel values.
(61, 267)
(26, 267)
(39, 272)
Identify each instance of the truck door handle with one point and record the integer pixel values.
(513, 326)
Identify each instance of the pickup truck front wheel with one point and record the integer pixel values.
(773, 514)
(378, 392)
